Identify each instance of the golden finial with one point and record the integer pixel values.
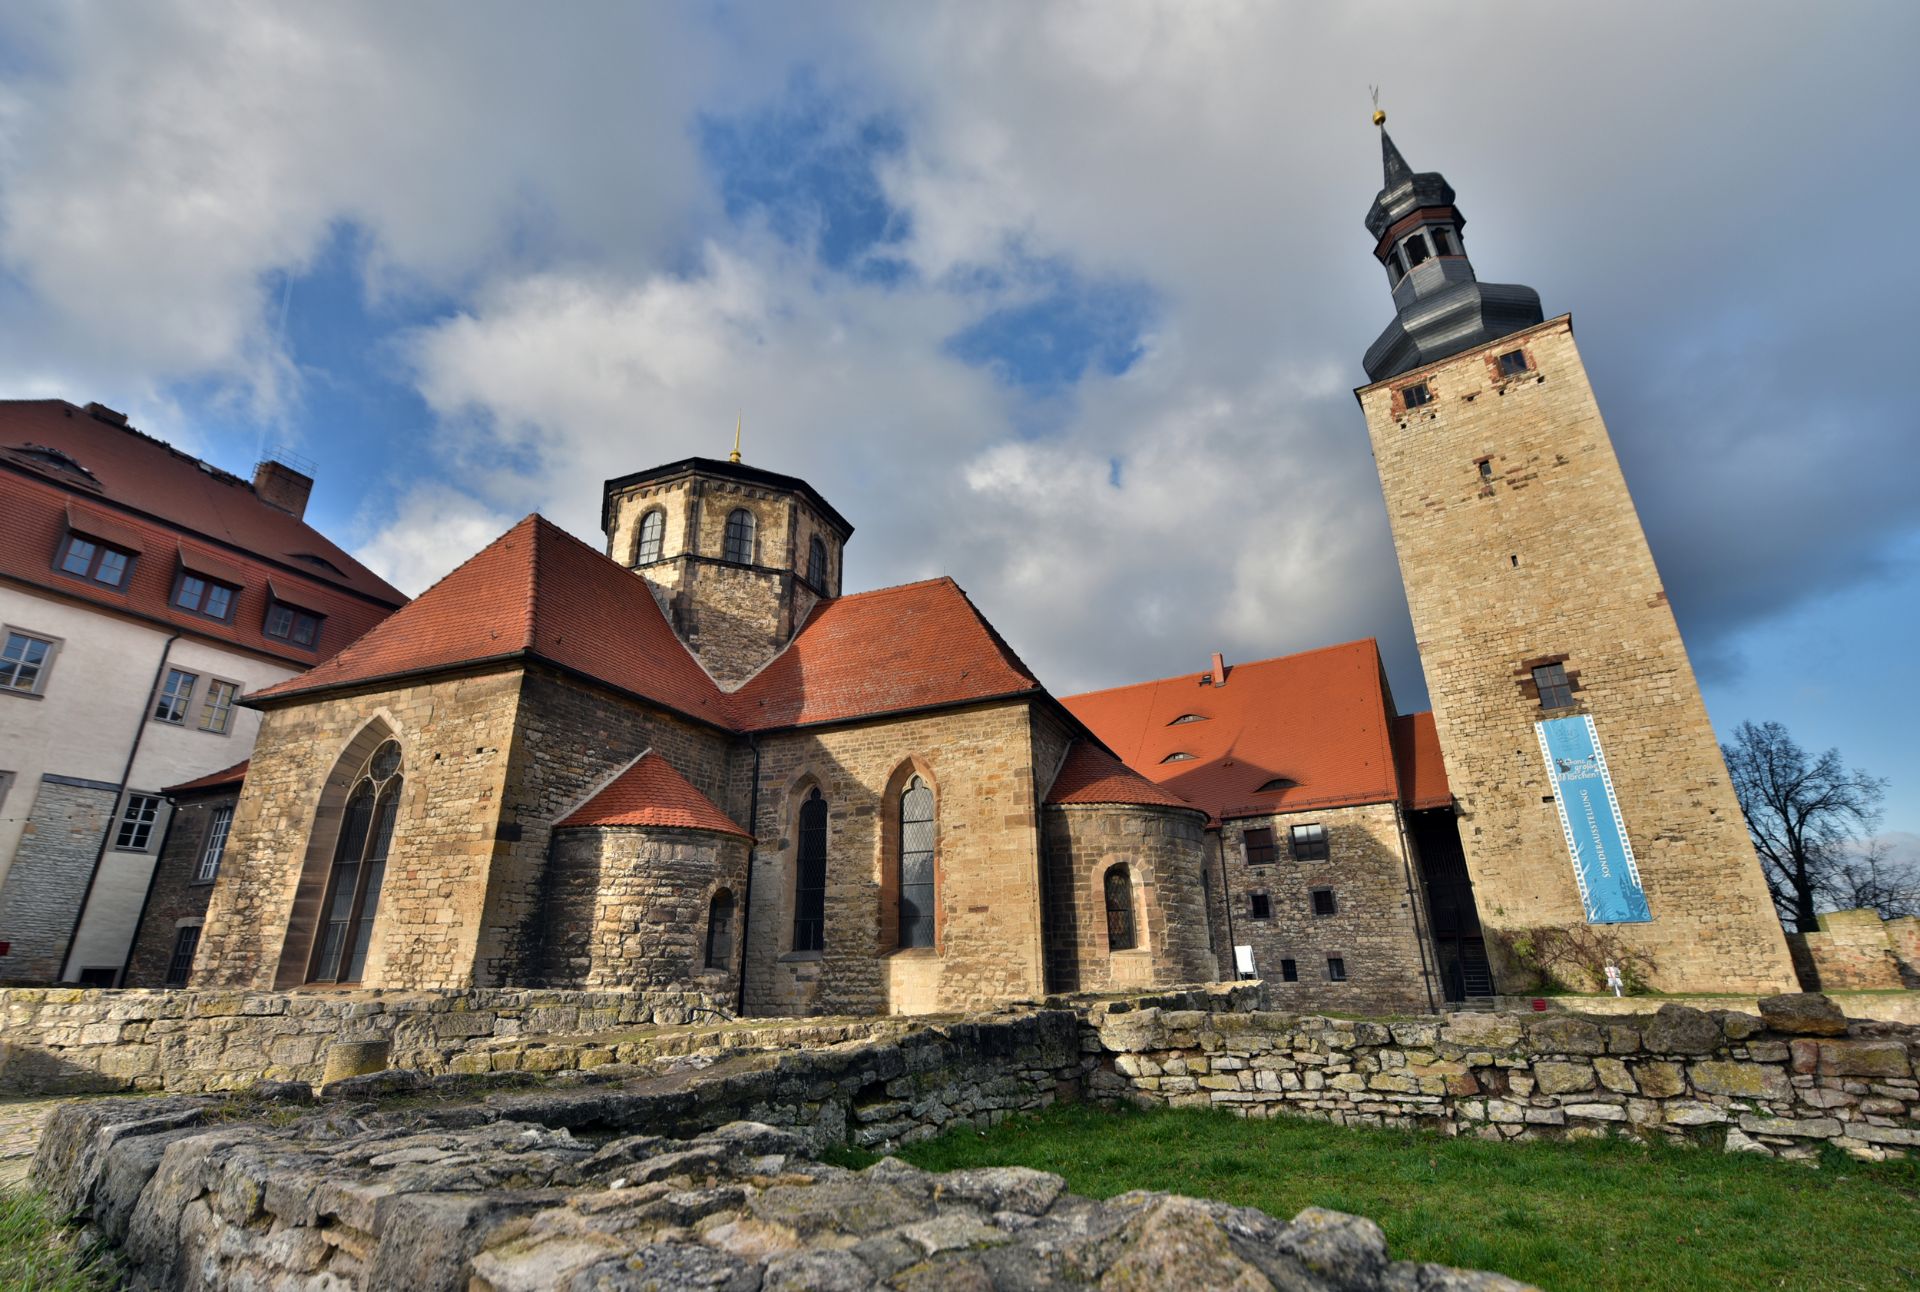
(735, 455)
(1379, 117)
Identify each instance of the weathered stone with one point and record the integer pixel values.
(1813, 1127)
(1677, 1029)
(1614, 1076)
(1803, 1014)
(1566, 1034)
(1557, 1078)
(1752, 1080)
(1864, 1059)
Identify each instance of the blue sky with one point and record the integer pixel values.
(1066, 301)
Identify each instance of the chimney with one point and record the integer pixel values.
(1219, 669)
(111, 416)
(279, 485)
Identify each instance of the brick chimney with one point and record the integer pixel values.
(1219, 669)
(279, 485)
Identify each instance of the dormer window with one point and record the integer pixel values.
(1188, 717)
(292, 624)
(1278, 785)
(1178, 758)
(84, 558)
(204, 597)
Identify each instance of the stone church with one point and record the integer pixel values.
(692, 759)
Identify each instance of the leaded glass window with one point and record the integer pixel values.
(739, 547)
(916, 865)
(653, 534)
(359, 865)
(810, 877)
(817, 563)
(1119, 893)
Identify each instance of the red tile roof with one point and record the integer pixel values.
(916, 646)
(652, 792)
(1092, 775)
(1318, 722)
(534, 592)
(35, 518)
(221, 779)
(1416, 751)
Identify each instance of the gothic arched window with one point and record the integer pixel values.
(810, 877)
(817, 563)
(739, 548)
(720, 929)
(1119, 893)
(359, 864)
(916, 865)
(653, 533)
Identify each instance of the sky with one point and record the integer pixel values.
(1065, 300)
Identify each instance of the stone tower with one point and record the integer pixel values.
(1590, 787)
(736, 556)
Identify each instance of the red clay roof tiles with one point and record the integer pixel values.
(1423, 774)
(221, 779)
(652, 792)
(1092, 775)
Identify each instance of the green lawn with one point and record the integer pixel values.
(38, 1254)
(1569, 1217)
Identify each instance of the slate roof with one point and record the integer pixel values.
(1092, 775)
(1319, 722)
(652, 792)
(63, 468)
(222, 779)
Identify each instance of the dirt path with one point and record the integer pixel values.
(20, 1123)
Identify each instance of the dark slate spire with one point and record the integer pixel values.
(1442, 307)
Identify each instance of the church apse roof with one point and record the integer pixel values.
(652, 792)
(1092, 775)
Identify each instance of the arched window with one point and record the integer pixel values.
(916, 865)
(1119, 887)
(653, 534)
(359, 864)
(739, 547)
(720, 929)
(810, 877)
(817, 563)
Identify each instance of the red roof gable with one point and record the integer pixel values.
(1416, 751)
(1317, 722)
(222, 779)
(534, 592)
(652, 792)
(916, 646)
(1092, 775)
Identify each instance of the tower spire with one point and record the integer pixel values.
(735, 455)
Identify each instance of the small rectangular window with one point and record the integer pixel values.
(1259, 844)
(1323, 903)
(216, 712)
(137, 820)
(289, 623)
(204, 597)
(215, 846)
(185, 943)
(1556, 690)
(1289, 971)
(1486, 469)
(175, 697)
(85, 559)
(1262, 906)
(1418, 395)
(1310, 842)
(1336, 969)
(23, 663)
(1514, 363)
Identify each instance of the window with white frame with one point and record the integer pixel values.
(215, 846)
(186, 940)
(176, 697)
(138, 816)
(216, 711)
(24, 662)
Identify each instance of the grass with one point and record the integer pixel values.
(1606, 1214)
(40, 1254)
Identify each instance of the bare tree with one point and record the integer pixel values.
(1807, 817)
(1871, 876)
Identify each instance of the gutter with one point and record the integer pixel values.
(119, 802)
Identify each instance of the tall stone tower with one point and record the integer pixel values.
(736, 556)
(1590, 787)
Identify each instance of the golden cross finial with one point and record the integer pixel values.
(1379, 117)
(735, 455)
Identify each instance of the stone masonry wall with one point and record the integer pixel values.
(61, 1039)
(44, 887)
(178, 895)
(986, 865)
(1376, 930)
(1857, 950)
(1163, 852)
(629, 907)
(1541, 557)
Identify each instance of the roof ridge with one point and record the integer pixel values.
(891, 587)
(1251, 663)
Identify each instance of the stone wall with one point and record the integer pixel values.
(631, 906)
(1540, 556)
(44, 887)
(1164, 854)
(1857, 950)
(59, 1039)
(1787, 1082)
(1377, 929)
(178, 896)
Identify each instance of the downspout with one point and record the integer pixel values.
(126, 774)
(746, 889)
(1414, 904)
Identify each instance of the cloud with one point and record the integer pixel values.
(433, 529)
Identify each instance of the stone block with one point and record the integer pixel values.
(1809, 1127)
(1614, 1076)
(1864, 1059)
(1565, 1034)
(1556, 1078)
(1597, 1112)
(1803, 1014)
(1677, 1029)
(1750, 1080)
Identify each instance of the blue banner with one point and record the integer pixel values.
(1603, 862)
